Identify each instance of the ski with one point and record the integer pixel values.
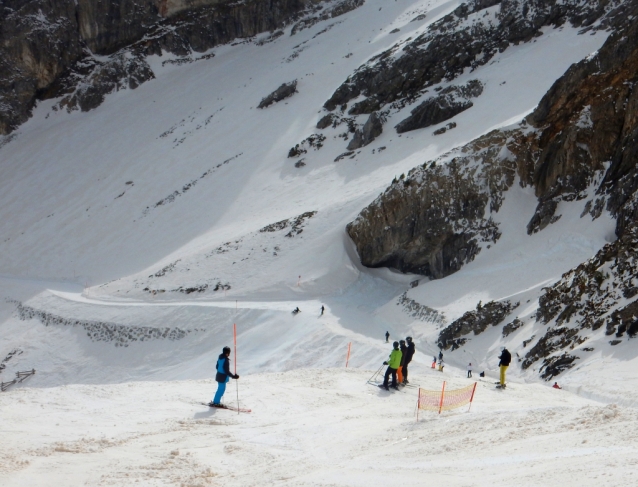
(230, 408)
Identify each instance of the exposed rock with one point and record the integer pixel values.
(98, 331)
(119, 72)
(315, 141)
(511, 327)
(476, 322)
(420, 311)
(335, 10)
(553, 366)
(467, 38)
(433, 221)
(47, 48)
(447, 104)
(442, 130)
(371, 130)
(295, 224)
(284, 91)
(326, 121)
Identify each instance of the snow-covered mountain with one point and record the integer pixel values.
(461, 172)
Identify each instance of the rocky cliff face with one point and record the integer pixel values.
(583, 134)
(433, 221)
(48, 47)
(467, 38)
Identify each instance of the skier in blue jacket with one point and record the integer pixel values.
(223, 376)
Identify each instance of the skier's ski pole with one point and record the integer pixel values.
(375, 374)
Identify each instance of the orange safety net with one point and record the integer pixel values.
(445, 400)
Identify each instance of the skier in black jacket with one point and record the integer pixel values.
(409, 353)
(505, 359)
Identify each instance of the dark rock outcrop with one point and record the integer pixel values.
(47, 48)
(476, 322)
(461, 40)
(284, 91)
(434, 220)
(370, 131)
(447, 104)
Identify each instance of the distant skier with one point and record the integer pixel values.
(441, 365)
(387, 336)
(556, 386)
(505, 359)
(409, 353)
(296, 310)
(223, 376)
(440, 354)
(393, 364)
(434, 362)
(469, 371)
(322, 310)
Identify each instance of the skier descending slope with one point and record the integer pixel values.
(223, 376)
(393, 364)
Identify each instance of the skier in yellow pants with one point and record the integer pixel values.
(505, 359)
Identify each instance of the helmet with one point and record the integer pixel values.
(395, 344)
(409, 339)
(402, 342)
(226, 350)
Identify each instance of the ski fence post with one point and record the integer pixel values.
(348, 356)
(235, 345)
(442, 396)
(472, 397)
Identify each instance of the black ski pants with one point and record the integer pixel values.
(390, 371)
(405, 371)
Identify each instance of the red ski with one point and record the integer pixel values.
(230, 408)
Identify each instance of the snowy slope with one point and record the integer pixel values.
(128, 217)
(312, 427)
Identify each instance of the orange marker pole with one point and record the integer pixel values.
(442, 396)
(472, 398)
(235, 346)
(348, 356)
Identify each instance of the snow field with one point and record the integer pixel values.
(312, 427)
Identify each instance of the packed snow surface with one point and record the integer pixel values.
(135, 235)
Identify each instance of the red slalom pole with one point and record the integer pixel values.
(235, 347)
(348, 356)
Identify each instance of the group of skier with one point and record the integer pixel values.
(397, 363)
(402, 354)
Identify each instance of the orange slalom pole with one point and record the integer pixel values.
(442, 396)
(472, 398)
(348, 356)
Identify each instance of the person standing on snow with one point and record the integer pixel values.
(469, 371)
(441, 365)
(556, 386)
(393, 363)
(322, 310)
(387, 336)
(404, 350)
(223, 376)
(505, 359)
(409, 353)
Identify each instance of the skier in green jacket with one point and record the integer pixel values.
(393, 363)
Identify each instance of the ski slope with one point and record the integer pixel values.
(84, 237)
(312, 427)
